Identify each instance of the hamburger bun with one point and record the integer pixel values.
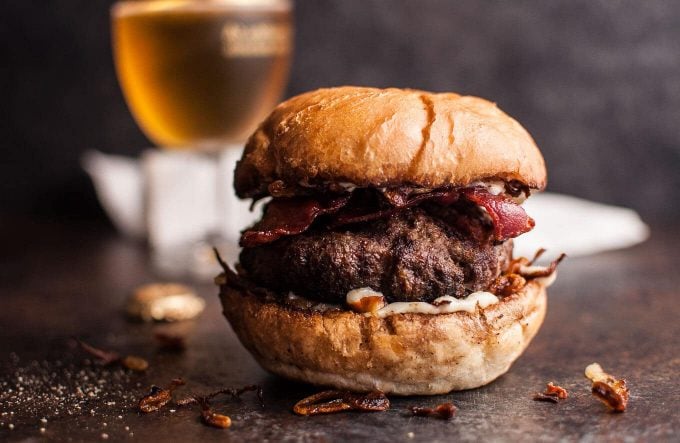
(403, 354)
(371, 155)
(387, 137)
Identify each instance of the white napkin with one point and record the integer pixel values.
(170, 197)
(119, 183)
(578, 227)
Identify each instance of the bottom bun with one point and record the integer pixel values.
(404, 354)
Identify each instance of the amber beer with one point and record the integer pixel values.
(201, 74)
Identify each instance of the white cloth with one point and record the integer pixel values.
(578, 227)
(119, 183)
(171, 197)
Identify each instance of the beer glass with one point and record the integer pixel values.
(201, 74)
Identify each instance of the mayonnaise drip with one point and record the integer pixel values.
(442, 305)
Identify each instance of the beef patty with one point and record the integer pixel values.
(410, 256)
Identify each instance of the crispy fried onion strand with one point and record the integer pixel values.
(608, 389)
(106, 358)
(328, 402)
(159, 397)
(519, 271)
(444, 411)
(211, 417)
(526, 268)
(507, 284)
(208, 414)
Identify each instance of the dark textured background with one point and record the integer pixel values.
(597, 82)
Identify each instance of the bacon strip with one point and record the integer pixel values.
(509, 219)
(288, 216)
(293, 215)
(359, 214)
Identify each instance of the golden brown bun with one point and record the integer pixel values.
(404, 354)
(387, 137)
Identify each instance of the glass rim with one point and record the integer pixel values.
(133, 7)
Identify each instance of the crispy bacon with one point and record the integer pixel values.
(509, 219)
(293, 215)
(359, 215)
(289, 216)
(398, 199)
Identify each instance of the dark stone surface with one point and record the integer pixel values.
(619, 309)
(597, 82)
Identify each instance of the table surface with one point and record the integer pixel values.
(60, 281)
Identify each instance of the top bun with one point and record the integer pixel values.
(387, 137)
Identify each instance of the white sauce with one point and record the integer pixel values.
(441, 305)
(447, 305)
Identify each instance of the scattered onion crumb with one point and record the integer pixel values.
(444, 411)
(553, 393)
(608, 389)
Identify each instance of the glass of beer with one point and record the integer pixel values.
(200, 75)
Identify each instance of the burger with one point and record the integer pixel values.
(384, 256)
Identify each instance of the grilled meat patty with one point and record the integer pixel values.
(413, 255)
